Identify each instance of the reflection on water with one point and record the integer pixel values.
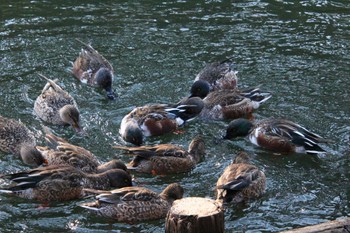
(297, 50)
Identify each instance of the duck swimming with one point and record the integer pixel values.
(240, 181)
(56, 106)
(92, 68)
(134, 204)
(165, 159)
(279, 135)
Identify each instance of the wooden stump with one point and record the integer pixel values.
(195, 215)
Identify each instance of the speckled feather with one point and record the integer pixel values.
(61, 152)
(240, 181)
(285, 136)
(149, 120)
(50, 101)
(228, 103)
(158, 119)
(62, 183)
(13, 135)
(134, 204)
(88, 63)
(165, 158)
(219, 75)
(17, 139)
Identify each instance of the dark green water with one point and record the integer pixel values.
(297, 50)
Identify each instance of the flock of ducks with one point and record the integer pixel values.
(64, 171)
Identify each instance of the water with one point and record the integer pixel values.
(297, 50)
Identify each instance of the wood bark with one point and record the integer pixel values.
(336, 226)
(195, 215)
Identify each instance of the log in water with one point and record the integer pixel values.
(336, 226)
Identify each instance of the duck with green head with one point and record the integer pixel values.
(279, 135)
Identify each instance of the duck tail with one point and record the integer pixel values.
(130, 168)
(188, 109)
(95, 52)
(90, 206)
(46, 129)
(95, 191)
(235, 185)
(121, 148)
(313, 148)
(315, 152)
(306, 144)
(312, 136)
(227, 60)
(6, 191)
(231, 64)
(54, 141)
(88, 47)
(22, 185)
(50, 83)
(256, 95)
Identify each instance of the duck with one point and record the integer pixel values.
(17, 139)
(56, 106)
(163, 159)
(134, 204)
(240, 181)
(61, 152)
(58, 183)
(219, 75)
(191, 107)
(228, 104)
(157, 119)
(92, 68)
(276, 134)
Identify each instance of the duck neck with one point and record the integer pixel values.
(197, 150)
(166, 197)
(196, 157)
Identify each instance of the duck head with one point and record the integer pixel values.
(31, 156)
(70, 115)
(104, 78)
(238, 128)
(200, 88)
(115, 163)
(132, 133)
(172, 192)
(119, 178)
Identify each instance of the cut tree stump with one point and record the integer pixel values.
(195, 215)
(336, 226)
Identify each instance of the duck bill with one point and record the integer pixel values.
(110, 94)
(78, 129)
(45, 162)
